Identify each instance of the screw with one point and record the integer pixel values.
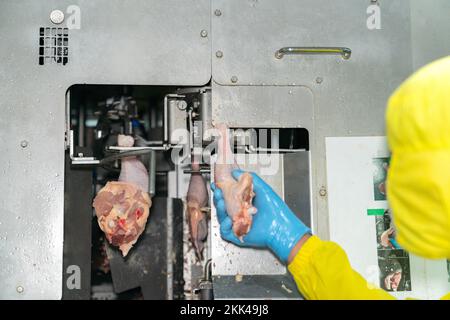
(24, 143)
(19, 289)
(323, 191)
(57, 16)
(181, 105)
(234, 79)
(217, 12)
(319, 80)
(204, 33)
(219, 54)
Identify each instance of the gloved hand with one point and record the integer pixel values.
(274, 226)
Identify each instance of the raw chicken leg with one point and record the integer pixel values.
(123, 206)
(238, 195)
(197, 199)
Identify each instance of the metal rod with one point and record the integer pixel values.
(169, 249)
(138, 148)
(205, 114)
(152, 173)
(86, 162)
(71, 144)
(68, 120)
(81, 119)
(165, 121)
(197, 171)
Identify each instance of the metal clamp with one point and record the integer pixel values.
(344, 52)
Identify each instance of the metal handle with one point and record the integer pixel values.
(344, 52)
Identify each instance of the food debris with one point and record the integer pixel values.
(286, 288)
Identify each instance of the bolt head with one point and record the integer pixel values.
(217, 13)
(57, 16)
(219, 54)
(204, 33)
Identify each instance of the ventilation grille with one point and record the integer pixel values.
(53, 46)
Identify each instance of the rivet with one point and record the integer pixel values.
(323, 192)
(204, 33)
(217, 12)
(219, 54)
(24, 143)
(319, 80)
(19, 289)
(234, 79)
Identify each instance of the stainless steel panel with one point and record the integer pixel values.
(31, 186)
(263, 106)
(255, 287)
(349, 96)
(143, 42)
(248, 33)
(229, 259)
(139, 42)
(297, 184)
(430, 30)
(288, 175)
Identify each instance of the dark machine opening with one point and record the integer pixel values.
(96, 115)
(271, 140)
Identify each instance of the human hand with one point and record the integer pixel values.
(274, 225)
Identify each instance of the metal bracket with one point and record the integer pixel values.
(166, 113)
(76, 159)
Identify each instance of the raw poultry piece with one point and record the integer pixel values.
(197, 200)
(123, 206)
(238, 195)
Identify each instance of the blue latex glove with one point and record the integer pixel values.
(394, 242)
(274, 226)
